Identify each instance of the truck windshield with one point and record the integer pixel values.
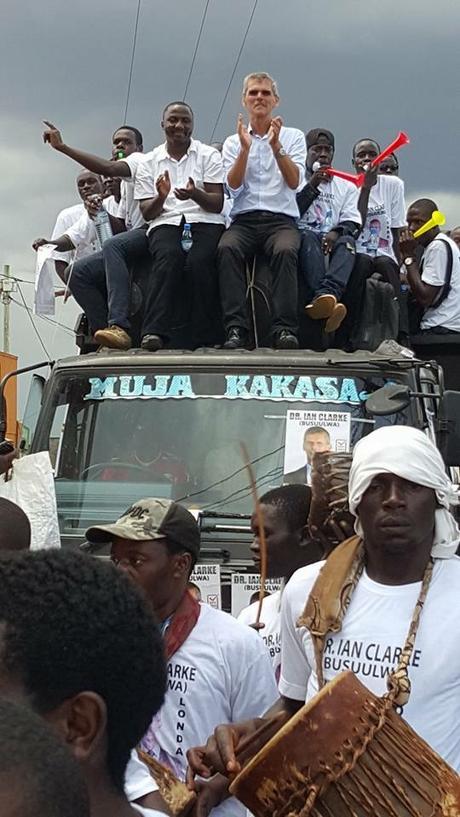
(114, 439)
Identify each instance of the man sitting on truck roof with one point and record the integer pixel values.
(101, 284)
(180, 192)
(264, 164)
(329, 222)
(284, 513)
(217, 669)
(79, 646)
(435, 280)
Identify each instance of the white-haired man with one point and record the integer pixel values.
(402, 558)
(264, 164)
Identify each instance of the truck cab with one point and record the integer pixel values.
(124, 425)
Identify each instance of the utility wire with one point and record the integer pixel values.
(136, 25)
(234, 70)
(29, 312)
(46, 318)
(197, 45)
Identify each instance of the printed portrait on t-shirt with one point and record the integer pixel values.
(377, 233)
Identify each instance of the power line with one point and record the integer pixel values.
(63, 326)
(197, 44)
(234, 70)
(29, 312)
(136, 25)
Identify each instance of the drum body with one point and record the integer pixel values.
(348, 754)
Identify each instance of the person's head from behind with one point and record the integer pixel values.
(363, 154)
(320, 147)
(14, 527)
(389, 166)
(89, 184)
(38, 775)
(315, 440)
(455, 235)
(156, 542)
(126, 140)
(177, 123)
(284, 514)
(260, 95)
(79, 645)
(417, 215)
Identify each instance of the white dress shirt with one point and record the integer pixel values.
(264, 187)
(201, 163)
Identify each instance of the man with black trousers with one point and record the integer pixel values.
(181, 183)
(264, 164)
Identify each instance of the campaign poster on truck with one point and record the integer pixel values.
(245, 590)
(309, 432)
(207, 579)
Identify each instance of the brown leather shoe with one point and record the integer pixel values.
(321, 307)
(114, 337)
(334, 321)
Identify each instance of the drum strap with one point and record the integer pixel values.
(328, 602)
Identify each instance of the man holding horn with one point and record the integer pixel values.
(398, 575)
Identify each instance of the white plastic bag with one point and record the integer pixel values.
(31, 486)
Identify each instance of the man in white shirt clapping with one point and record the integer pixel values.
(180, 192)
(264, 164)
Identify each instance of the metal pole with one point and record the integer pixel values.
(6, 298)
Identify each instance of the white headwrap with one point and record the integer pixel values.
(408, 453)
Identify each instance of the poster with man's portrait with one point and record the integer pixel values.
(308, 432)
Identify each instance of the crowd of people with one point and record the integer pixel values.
(199, 214)
(104, 664)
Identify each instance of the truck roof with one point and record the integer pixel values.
(392, 354)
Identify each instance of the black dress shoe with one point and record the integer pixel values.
(236, 338)
(286, 340)
(152, 343)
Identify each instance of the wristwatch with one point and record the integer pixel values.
(408, 261)
(280, 154)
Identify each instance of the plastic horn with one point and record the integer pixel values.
(401, 139)
(437, 220)
(349, 177)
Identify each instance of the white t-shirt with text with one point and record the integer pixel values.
(201, 163)
(336, 203)
(386, 211)
(374, 630)
(221, 674)
(434, 271)
(271, 617)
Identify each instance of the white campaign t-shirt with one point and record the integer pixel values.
(129, 209)
(434, 271)
(64, 220)
(201, 163)
(83, 236)
(221, 674)
(386, 211)
(271, 617)
(373, 633)
(337, 202)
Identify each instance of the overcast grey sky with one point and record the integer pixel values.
(360, 69)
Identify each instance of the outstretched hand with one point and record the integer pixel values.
(40, 242)
(52, 135)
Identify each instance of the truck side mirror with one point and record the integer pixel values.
(449, 427)
(389, 399)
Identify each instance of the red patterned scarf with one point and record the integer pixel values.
(182, 623)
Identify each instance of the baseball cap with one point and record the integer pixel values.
(151, 519)
(314, 136)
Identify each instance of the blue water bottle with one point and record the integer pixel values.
(187, 238)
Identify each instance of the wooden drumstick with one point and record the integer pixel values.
(260, 522)
(177, 796)
(249, 746)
